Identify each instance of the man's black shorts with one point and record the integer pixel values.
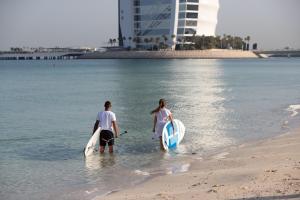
(106, 136)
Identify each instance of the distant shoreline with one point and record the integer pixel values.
(162, 54)
(188, 54)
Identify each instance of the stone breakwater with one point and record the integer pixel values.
(190, 54)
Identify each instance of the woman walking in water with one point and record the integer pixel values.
(161, 116)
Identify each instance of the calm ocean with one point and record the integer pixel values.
(48, 108)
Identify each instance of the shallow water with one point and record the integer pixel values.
(47, 111)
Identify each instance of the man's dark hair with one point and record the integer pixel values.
(107, 104)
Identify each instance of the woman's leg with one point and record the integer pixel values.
(161, 143)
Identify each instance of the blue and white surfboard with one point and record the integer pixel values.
(172, 137)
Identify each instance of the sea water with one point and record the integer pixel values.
(48, 109)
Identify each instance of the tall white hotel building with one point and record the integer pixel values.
(174, 19)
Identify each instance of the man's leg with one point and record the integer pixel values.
(111, 149)
(101, 149)
(103, 141)
(111, 142)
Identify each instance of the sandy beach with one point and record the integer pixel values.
(268, 169)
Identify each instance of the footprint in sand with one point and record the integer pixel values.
(164, 196)
(196, 184)
(212, 191)
(271, 170)
(214, 186)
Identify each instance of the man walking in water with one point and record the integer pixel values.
(108, 123)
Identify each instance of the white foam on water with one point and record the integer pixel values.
(143, 173)
(91, 191)
(285, 122)
(294, 109)
(178, 169)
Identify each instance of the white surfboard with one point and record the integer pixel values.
(172, 138)
(92, 144)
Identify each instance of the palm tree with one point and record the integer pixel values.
(203, 38)
(121, 40)
(157, 39)
(114, 41)
(179, 40)
(130, 38)
(248, 40)
(110, 42)
(219, 40)
(224, 41)
(146, 40)
(193, 38)
(165, 39)
(151, 40)
(229, 39)
(239, 42)
(138, 40)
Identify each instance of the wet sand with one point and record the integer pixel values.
(268, 169)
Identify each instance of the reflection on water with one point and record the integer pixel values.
(195, 95)
(100, 161)
(199, 103)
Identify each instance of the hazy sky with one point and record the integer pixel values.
(272, 23)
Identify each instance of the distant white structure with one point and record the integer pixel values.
(146, 23)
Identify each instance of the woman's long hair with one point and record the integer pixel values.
(162, 104)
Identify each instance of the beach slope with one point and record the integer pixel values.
(268, 169)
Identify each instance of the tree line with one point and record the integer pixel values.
(194, 42)
(214, 42)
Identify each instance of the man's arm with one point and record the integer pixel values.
(116, 128)
(96, 126)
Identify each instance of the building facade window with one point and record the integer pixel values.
(192, 15)
(154, 2)
(182, 7)
(189, 1)
(181, 23)
(151, 17)
(155, 32)
(181, 15)
(180, 31)
(136, 2)
(190, 31)
(191, 23)
(192, 7)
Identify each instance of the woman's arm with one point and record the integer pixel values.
(154, 124)
(171, 119)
